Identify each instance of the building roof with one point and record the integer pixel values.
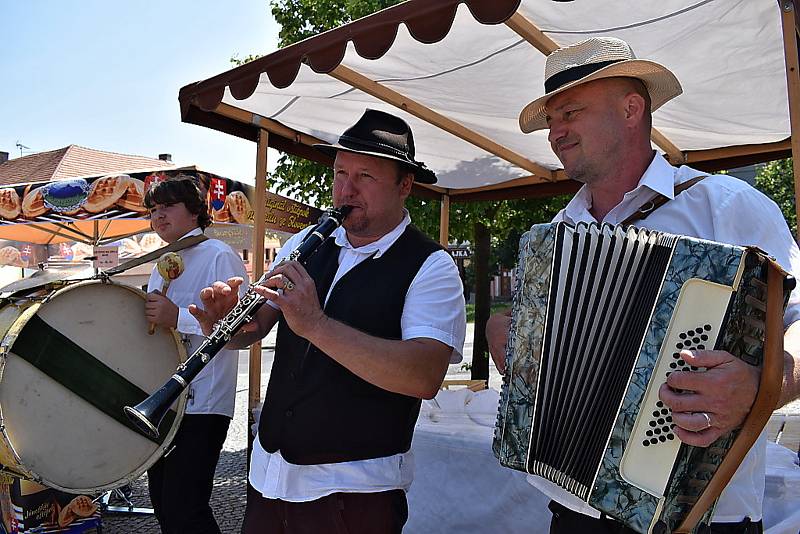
(72, 161)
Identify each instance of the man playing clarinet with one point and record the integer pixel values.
(366, 329)
(597, 108)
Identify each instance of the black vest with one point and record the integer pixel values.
(315, 410)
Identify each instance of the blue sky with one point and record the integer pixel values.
(106, 75)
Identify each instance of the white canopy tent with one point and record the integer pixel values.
(460, 71)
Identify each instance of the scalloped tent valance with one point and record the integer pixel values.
(460, 71)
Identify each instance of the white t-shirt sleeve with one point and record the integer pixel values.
(434, 306)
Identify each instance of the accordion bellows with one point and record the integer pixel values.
(599, 317)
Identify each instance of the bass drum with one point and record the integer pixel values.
(69, 363)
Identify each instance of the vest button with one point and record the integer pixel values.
(289, 413)
(293, 375)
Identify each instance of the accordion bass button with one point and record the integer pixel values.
(660, 528)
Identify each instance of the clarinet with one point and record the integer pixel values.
(147, 415)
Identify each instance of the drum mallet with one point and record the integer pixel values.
(170, 267)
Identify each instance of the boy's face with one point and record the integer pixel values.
(172, 221)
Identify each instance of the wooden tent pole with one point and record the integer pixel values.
(444, 221)
(788, 22)
(254, 383)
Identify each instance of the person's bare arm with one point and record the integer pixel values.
(791, 365)
(497, 328)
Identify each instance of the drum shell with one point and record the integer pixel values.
(55, 437)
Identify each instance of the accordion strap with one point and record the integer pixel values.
(766, 401)
(659, 201)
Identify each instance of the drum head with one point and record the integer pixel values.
(101, 353)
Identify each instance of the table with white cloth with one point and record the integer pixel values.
(459, 486)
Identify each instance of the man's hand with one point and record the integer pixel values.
(725, 392)
(497, 328)
(217, 300)
(160, 311)
(291, 288)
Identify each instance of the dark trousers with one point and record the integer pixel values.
(180, 483)
(565, 521)
(339, 513)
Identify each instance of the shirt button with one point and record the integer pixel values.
(289, 413)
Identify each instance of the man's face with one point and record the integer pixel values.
(370, 185)
(585, 129)
(172, 221)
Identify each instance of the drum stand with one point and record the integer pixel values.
(125, 497)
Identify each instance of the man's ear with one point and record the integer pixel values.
(405, 184)
(634, 105)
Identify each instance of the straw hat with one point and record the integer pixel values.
(593, 59)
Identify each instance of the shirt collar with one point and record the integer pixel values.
(378, 247)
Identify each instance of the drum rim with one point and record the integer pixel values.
(16, 327)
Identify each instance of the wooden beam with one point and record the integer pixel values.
(542, 190)
(788, 23)
(531, 33)
(509, 184)
(359, 81)
(271, 126)
(674, 154)
(526, 29)
(444, 221)
(737, 151)
(259, 223)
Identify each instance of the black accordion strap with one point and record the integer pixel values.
(769, 391)
(659, 201)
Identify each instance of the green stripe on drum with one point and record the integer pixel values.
(68, 364)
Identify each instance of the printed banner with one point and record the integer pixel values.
(68, 209)
(28, 507)
(286, 215)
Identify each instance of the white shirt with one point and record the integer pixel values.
(719, 208)
(434, 309)
(213, 391)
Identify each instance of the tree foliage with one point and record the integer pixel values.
(776, 180)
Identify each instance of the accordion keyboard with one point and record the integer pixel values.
(648, 460)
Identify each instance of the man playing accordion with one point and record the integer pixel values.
(597, 107)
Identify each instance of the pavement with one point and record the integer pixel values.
(230, 480)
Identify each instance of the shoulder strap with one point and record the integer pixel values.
(180, 244)
(659, 201)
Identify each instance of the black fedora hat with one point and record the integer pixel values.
(381, 135)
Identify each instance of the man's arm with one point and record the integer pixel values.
(497, 328)
(791, 364)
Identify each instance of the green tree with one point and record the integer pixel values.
(776, 180)
(484, 224)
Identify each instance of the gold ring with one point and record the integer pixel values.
(289, 285)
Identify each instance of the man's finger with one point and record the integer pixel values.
(706, 358)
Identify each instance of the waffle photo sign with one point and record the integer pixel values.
(102, 209)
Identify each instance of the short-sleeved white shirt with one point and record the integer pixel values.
(213, 391)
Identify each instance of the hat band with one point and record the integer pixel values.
(379, 147)
(572, 74)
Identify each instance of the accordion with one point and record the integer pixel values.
(599, 317)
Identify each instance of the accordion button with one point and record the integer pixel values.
(289, 413)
